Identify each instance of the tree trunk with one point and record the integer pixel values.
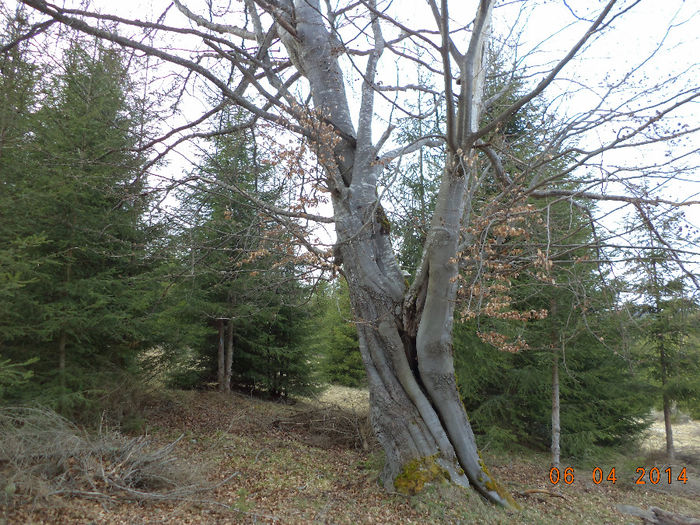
(405, 335)
(221, 363)
(556, 423)
(62, 339)
(663, 365)
(228, 358)
(670, 450)
(416, 410)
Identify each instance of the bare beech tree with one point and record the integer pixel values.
(291, 63)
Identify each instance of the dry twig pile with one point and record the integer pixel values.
(43, 454)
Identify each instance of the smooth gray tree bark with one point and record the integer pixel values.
(405, 334)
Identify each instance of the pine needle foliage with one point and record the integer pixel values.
(235, 267)
(74, 231)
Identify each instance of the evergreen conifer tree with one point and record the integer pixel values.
(334, 337)
(19, 80)
(666, 348)
(238, 279)
(80, 193)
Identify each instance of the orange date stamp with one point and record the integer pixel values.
(644, 475)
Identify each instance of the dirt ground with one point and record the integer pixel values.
(315, 463)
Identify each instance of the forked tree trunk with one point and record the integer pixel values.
(405, 335)
(406, 346)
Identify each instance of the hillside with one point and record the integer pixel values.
(314, 462)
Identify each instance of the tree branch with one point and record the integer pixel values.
(507, 113)
(219, 28)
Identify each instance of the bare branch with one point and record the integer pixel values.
(432, 141)
(652, 229)
(364, 127)
(42, 6)
(33, 31)
(603, 197)
(269, 208)
(504, 115)
(219, 28)
(473, 75)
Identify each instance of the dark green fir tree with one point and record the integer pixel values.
(667, 348)
(80, 194)
(334, 337)
(238, 296)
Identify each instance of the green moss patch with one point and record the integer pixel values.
(419, 472)
(494, 486)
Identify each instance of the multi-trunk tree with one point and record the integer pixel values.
(316, 70)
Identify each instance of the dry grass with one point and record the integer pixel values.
(339, 417)
(686, 437)
(283, 476)
(353, 399)
(42, 455)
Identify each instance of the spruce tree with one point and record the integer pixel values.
(238, 280)
(665, 316)
(80, 192)
(334, 337)
(19, 80)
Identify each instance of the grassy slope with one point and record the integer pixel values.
(293, 464)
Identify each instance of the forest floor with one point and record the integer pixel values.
(316, 462)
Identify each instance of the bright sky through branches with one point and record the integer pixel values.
(653, 45)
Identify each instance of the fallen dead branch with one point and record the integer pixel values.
(330, 426)
(531, 492)
(43, 454)
(657, 516)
